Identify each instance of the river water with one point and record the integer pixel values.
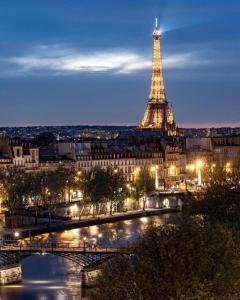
(49, 277)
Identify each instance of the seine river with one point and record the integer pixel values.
(48, 277)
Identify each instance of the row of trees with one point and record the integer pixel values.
(102, 189)
(197, 258)
(21, 190)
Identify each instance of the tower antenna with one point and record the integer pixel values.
(156, 22)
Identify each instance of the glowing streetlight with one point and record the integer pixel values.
(155, 170)
(199, 166)
(228, 167)
(16, 234)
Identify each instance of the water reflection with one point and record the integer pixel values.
(50, 277)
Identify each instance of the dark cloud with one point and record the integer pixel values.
(200, 45)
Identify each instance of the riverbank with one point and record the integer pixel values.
(30, 231)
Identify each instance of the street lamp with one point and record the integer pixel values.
(155, 170)
(16, 234)
(199, 166)
(228, 167)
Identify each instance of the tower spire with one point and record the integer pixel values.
(157, 91)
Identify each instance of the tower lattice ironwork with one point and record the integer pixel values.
(158, 114)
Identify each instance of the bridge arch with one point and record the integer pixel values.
(12, 254)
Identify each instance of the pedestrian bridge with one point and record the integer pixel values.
(86, 257)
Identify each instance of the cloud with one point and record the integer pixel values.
(57, 60)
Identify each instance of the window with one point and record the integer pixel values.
(18, 152)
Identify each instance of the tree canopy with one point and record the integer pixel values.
(194, 260)
(220, 202)
(144, 185)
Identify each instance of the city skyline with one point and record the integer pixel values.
(59, 66)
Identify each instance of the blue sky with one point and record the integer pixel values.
(88, 62)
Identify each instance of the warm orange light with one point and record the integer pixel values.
(137, 170)
(172, 170)
(199, 164)
(228, 167)
(190, 167)
(153, 169)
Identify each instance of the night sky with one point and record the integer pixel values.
(88, 62)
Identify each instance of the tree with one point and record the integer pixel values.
(116, 187)
(34, 183)
(16, 190)
(95, 188)
(194, 260)
(220, 202)
(55, 184)
(71, 181)
(144, 185)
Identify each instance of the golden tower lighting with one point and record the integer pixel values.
(158, 114)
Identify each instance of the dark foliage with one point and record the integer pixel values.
(194, 260)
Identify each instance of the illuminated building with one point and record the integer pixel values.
(174, 165)
(124, 157)
(14, 153)
(158, 114)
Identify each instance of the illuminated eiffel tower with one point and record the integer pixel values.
(158, 114)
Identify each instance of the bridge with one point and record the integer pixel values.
(86, 257)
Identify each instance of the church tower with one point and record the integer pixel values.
(158, 114)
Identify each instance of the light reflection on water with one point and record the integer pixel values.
(50, 277)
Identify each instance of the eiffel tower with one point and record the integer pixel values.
(158, 114)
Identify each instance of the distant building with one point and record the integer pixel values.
(18, 154)
(174, 165)
(223, 151)
(227, 151)
(6, 158)
(122, 156)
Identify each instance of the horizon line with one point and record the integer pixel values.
(181, 125)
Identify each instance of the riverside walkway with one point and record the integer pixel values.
(83, 222)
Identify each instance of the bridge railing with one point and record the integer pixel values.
(58, 247)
